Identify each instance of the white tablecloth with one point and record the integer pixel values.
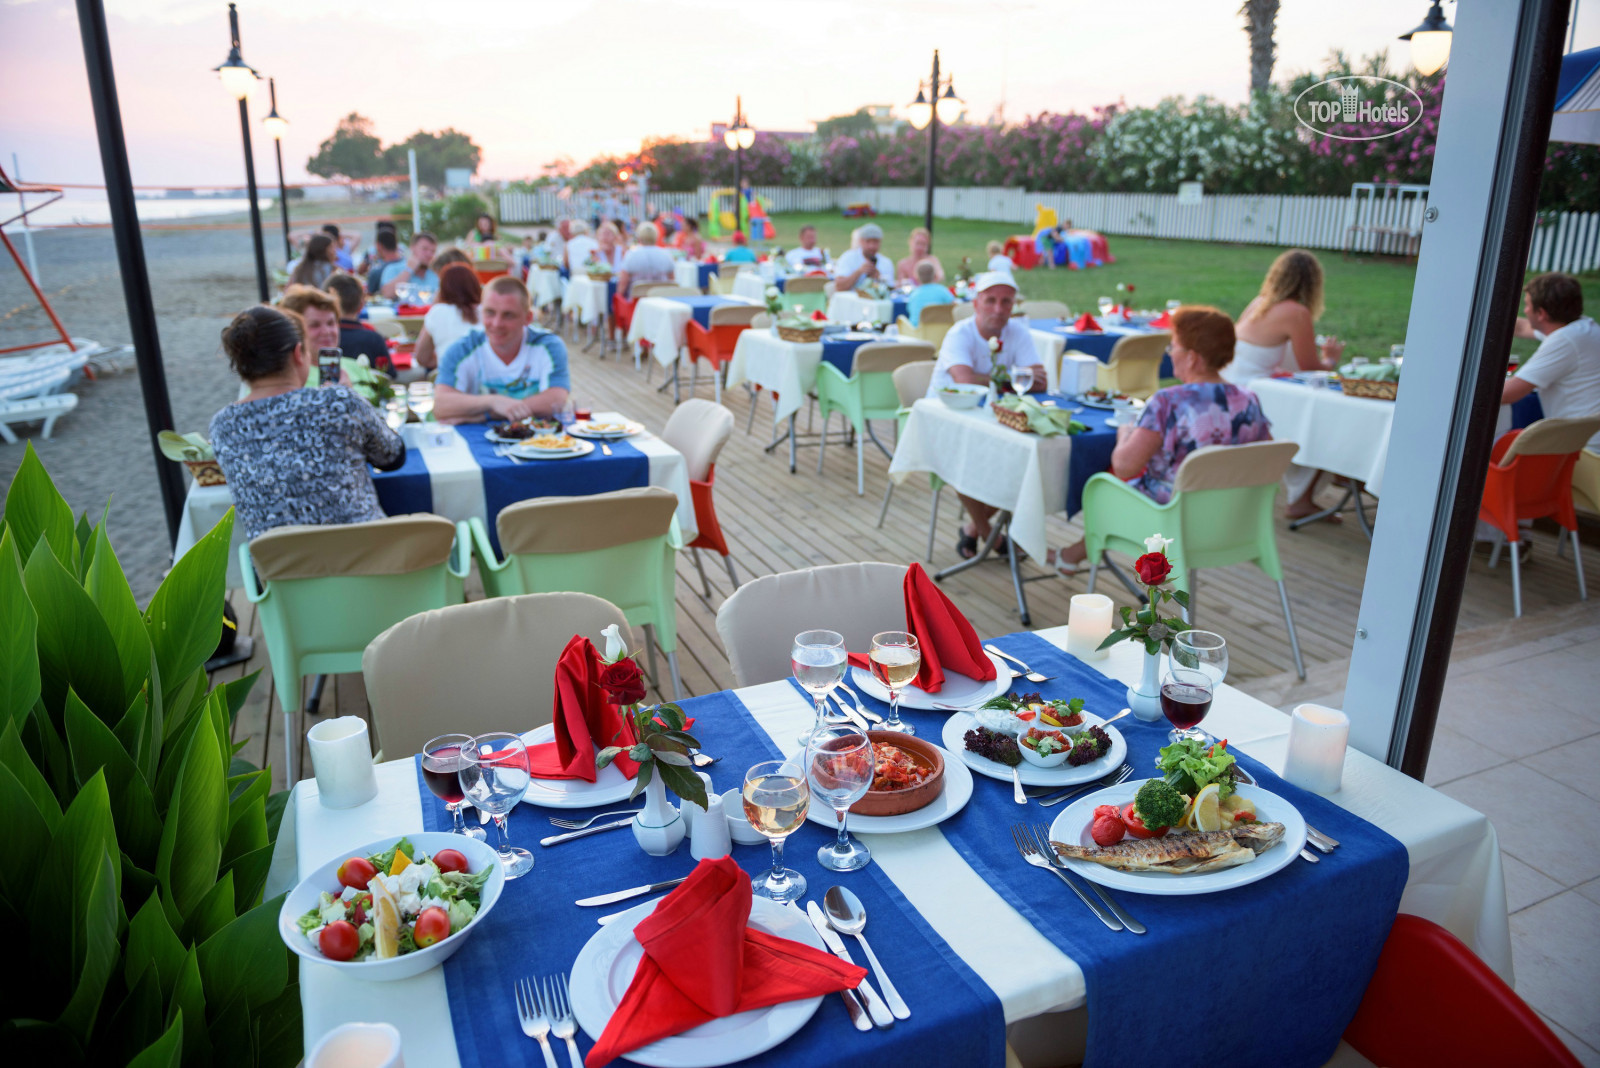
(1455, 879)
(1022, 473)
(687, 273)
(1348, 436)
(752, 284)
(586, 299)
(457, 489)
(846, 307)
(664, 323)
(545, 286)
(787, 368)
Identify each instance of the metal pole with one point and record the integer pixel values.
(933, 147)
(738, 164)
(416, 200)
(130, 251)
(255, 207)
(27, 228)
(283, 194)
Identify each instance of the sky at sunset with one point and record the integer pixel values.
(533, 80)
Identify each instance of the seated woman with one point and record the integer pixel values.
(690, 241)
(612, 247)
(644, 262)
(905, 272)
(318, 263)
(452, 315)
(1204, 410)
(294, 455)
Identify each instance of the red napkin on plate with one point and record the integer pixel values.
(701, 961)
(1085, 323)
(585, 720)
(1162, 321)
(412, 309)
(943, 635)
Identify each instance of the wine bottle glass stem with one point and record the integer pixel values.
(844, 839)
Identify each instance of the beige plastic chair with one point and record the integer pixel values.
(1135, 365)
(963, 310)
(805, 285)
(936, 321)
(411, 324)
(911, 383)
(759, 621)
(1586, 482)
(389, 328)
(1044, 309)
(671, 289)
(727, 274)
(868, 393)
(644, 289)
(699, 429)
(474, 668)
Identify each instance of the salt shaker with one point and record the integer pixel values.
(711, 839)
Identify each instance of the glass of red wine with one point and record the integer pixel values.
(1186, 698)
(442, 761)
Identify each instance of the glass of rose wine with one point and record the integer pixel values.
(442, 761)
(818, 661)
(776, 796)
(896, 659)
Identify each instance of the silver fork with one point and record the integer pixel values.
(1030, 853)
(578, 825)
(861, 708)
(559, 1001)
(1026, 672)
(1055, 858)
(535, 1024)
(1119, 775)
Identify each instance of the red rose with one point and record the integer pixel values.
(623, 682)
(1153, 568)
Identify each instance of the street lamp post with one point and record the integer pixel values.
(1430, 42)
(239, 79)
(738, 137)
(930, 109)
(277, 126)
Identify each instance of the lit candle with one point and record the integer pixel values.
(1317, 741)
(1088, 623)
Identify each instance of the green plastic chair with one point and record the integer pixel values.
(620, 546)
(1220, 514)
(810, 294)
(323, 593)
(911, 385)
(867, 393)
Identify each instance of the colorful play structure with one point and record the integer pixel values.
(752, 215)
(1062, 245)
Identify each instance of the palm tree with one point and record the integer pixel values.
(1260, 19)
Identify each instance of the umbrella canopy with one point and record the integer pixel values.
(1577, 113)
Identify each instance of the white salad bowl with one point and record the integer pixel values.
(304, 897)
(962, 395)
(1054, 760)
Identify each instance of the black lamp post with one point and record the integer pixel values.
(239, 79)
(738, 137)
(929, 109)
(277, 126)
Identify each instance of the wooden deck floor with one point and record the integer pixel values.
(778, 522)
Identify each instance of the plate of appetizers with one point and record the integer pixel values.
(521, 430)
(990, 740)
(1099, 398)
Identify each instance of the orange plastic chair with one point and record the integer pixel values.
(622, 311)
(699, 429)
(1432, 1001)
(1530, 477)
(715, 343)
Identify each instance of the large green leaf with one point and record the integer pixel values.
(48, 750)
(181, 705)
(138, 884)
(19, 653)
(235, 692)
(152, 944)
(249, 791)
(280, 1036)
(27, 840)
(212, 914)
(75, 646)
(109, 590)
(196, 821)
(97, 933)
(184, 619)
(135, 1023)
(14, 755)
(247, 960)
(189, 998)
(34, 510)
(166, 1051)
(60, 942)
(94, 748)
(83, 535)
(250, 871)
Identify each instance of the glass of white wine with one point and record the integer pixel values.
(896, 659)
(818, 662)
(419, 396)
(776, 796)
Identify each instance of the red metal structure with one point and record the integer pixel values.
(10, 185)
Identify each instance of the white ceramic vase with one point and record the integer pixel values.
(659, 827)
(1144, 697)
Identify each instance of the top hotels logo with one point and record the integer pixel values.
(1358, 108)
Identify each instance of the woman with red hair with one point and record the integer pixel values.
(452, 315)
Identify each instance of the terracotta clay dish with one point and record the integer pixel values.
(924, 756)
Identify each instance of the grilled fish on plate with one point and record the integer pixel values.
(1182, 852)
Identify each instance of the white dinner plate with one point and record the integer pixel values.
(605, 966)
(1104, 405)
(525, 452)
(586, 428)
(952, 799)
(1072, 826)
(959, 690)
(501, 439)
(609, 785)
(959, 723)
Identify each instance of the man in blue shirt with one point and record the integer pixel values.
(927, 292)
(414, 270)
(508, 368)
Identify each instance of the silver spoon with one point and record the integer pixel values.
(849, 916)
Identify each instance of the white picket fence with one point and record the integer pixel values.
(1570, 242)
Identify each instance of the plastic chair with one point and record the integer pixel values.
(411, 324)
(721, 283)
(911, 383)
(1220, 514)
(1044, 309)
(810, 293)
(502, 651)
(759, 620)
(388, 328)
(1586, 482)
(868, 393)
(1431, 1001)
(934, 323)
(1135, 365)
(1530, 477)
(323, 593)
(963, 310)
(644, 289)
(618, 545)
(699, 429)
(715, 344)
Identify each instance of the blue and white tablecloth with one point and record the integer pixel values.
(840, 349)
(693, 275)
(1053, 337)
(1091, 450)
(700, 307)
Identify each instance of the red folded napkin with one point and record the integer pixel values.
(944, 637)
(1085, 322)
(702, 961)
(1161, 321)
(412, 309)
(585, 720)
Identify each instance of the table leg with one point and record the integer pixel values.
(1016, 579)
(792, 443)
(997, 526)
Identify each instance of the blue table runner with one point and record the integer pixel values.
(706, 270)
(1098, 345)
(700, 307)
(1091, 450)
(840, 350)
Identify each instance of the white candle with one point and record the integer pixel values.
(1088, 622)
(341, 756)
(358, 1045)
(1317, 740)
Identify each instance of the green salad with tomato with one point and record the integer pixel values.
(394, 902)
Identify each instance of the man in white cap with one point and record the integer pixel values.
(972, 349)
(864, 262)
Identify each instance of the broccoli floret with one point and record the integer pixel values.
(1158, 804)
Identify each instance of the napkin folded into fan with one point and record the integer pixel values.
(701, 961)
(1162, 321)
(412, 309)
(585, 720)
(944, 637)
(1085, 322)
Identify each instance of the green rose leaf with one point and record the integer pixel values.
(683, 782)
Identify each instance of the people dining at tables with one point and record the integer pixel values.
(927, 292)
(581, 247)
(864, 261)
(506, 368)
(446, 258)
(317, 264)
(319, 316)
(415, 270)
(611, 246)
(920, 241)
(644, 262)
(1277, 332)
(385, 251)
(452, 316)
(689, 240)
(356, 338)
(808, 257)
(740, 252)
(293, 455)
(998, 260)
(1204, 410)
(1565, 368)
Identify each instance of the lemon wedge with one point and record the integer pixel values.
(1207, 808)
(385, 921)
(400, 862)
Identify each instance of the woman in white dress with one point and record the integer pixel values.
(455, 313)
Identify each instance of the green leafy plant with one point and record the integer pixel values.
(185, 447)
(139, 844)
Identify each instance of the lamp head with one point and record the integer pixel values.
(920, 112)
(730, 137)
(950, 106)
(747, 136)
(238, 77)
(1430, 42)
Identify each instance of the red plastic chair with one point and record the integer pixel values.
(715, 343)
(1530, 477)
(699, 429)
(622, 312)
(1432, 1001)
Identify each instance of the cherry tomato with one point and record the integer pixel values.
(1107, 828)
(339, 940)
(450, 860)
(1136, 826)
(356, 873)
(432, 926)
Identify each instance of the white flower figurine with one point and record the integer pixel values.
(1155, 543)
(616, 648)
(994, 344)
(772, 291)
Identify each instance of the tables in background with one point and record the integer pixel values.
(847, 307)
(588, 300)
(1052, 337)
(1347, 436)
(545, 285)
(693, 275)
(751, 284)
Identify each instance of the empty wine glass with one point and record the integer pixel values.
(776, 797)
(419, 396)
(1201, 650)
(442, 760)
(896, 659)
(818, 661)
(1174, 305)
(494, 776)
(394, 412)
(1022, 380)
(839, 767)
(1106, 304)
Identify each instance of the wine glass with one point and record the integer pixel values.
(442, 760)
(776, 797)
(494, 776)
(896, 659)
(419, 396)
(818, 661)
(1106, 304)
(1186, 698)
(839, 766)
(1022, 380)
(1174, 305)
(1201, 650)
(394, 412)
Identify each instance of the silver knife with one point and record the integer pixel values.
(852, 1000)
(603, 920)
(557, 839)
(863, 709)
(623, 895)
(1017, 793)
(875, 1004)
(855, 720)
